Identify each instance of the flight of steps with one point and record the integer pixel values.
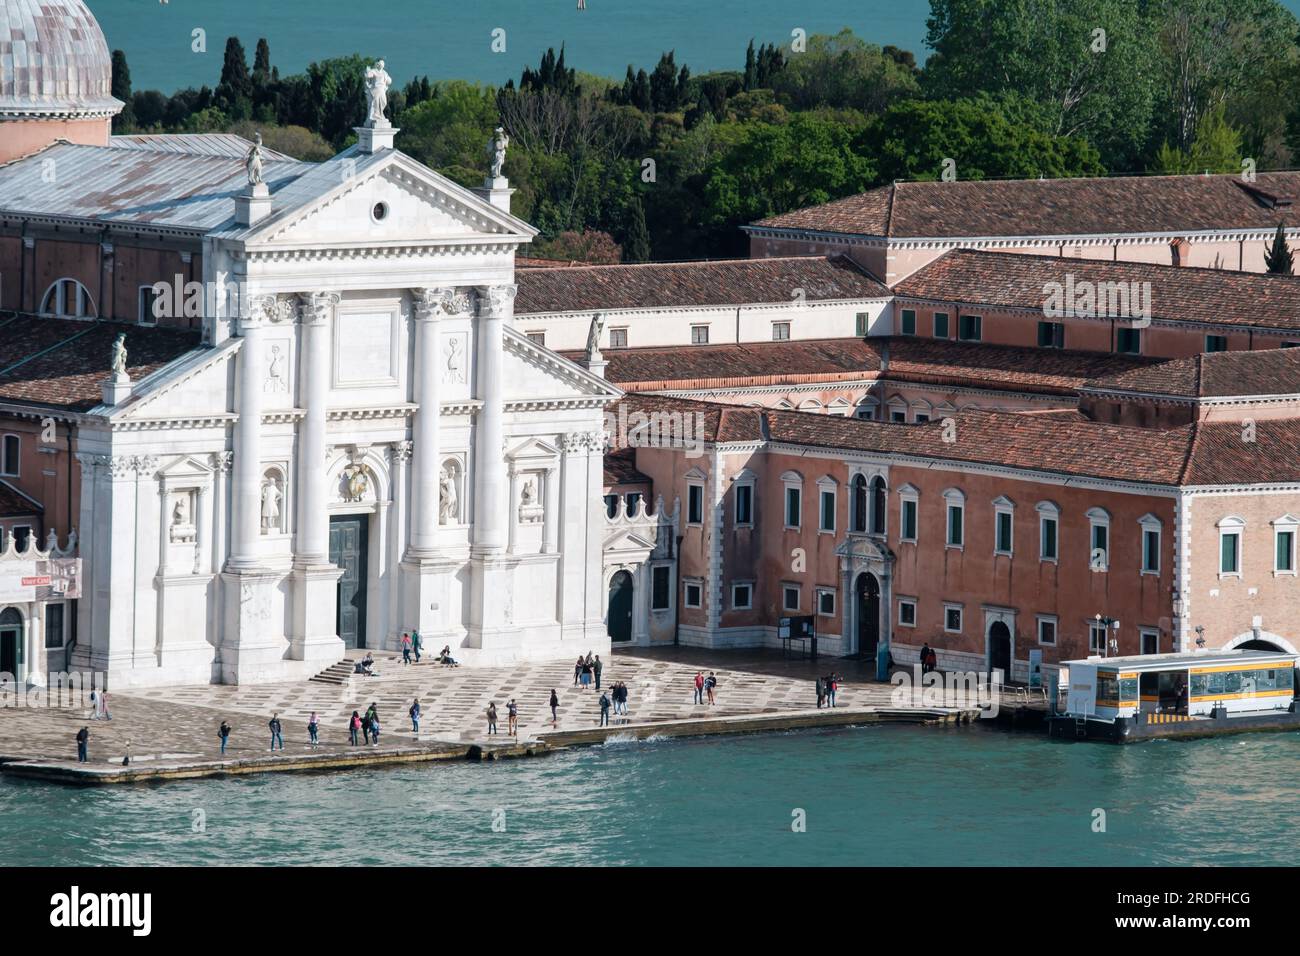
(387, 664)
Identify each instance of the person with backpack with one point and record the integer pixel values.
(224, 733)
(313, 728)
(555, 704)
(512, 718)
(276, 734)
(94, 705)
(374, 729)
(577, 672)
(415, 716)
(83, 743)
(365, 723)
(354, 725)
(604, 710)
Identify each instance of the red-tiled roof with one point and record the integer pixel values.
(13, 503)
(665, 285)
(1054, 207)
(890, 358)
(61, 363)
(1222, 455)
(1213, 375)
(1184, 294)
(620, 468)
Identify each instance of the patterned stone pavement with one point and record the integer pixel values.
(181, 722)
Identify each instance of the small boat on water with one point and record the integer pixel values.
(1202, 694)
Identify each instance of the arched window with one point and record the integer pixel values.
(68, 299)
(860, 503)
(877, 505)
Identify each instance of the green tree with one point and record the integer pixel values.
(234, 93)
(636, 242)
(1277, 259)
(1216, 148)
(121, 89)
(843, 71)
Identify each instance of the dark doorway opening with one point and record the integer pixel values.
(349, 539)
(867, 591)
(619, 624)
(1000, 650)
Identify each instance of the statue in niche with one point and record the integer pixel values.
(182, 526)
(448, 503)
(455, 361)
(271, 497)
(530, 509)
(275, 380)
(377, 83)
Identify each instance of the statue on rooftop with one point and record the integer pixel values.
(496, 148)
(117, 364)
(593, 337)
(253, 162)
(377, 83)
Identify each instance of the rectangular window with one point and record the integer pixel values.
(1096, 638)
(1285, 551)
(1230, 553)
(744, 504)
(1051, 335)
(539, 338)
(1150, 641)
(792, 507)
(1047, 539)
(1003, 545)
(1099, 559)
(941, 330)
(898, 415)
(1151, 551)
(827, 511)
(694, 594)
(790, 597)
(695, 504)
(699, 335)
(742, 597)
(54, 625)
(970, 328)
(660, 590)
(618, 338)
(909, 322)
(952, 619)
(1128, 341)
(909, 520)
(907, 613)
(955, 517)
(1216, 343)
(10, 457)
(826, 602)
(1047, 630)
(148, 313)
(860, 324)
(780, 331)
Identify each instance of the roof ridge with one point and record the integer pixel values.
(1102, 263)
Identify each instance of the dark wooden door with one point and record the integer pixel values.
(348, 548)
(1000, 650)
(620, 608)
(868, 589)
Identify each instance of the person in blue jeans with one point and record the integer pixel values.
(276, 732)
(415, 716)
(83, 739)
(604, 710)
(224, 734)
(313, 729)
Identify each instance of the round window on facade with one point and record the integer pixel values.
(380, 212)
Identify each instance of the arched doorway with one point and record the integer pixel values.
(867, 591)
(1259, 644)
(11, 642)
(619, 621)
(1000, 650)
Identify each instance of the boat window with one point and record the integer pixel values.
(1128, 689)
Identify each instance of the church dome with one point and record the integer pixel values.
(54, 62)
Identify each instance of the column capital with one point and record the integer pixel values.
(434, 302)
(496, 301)
(402, 450)
(314, 308)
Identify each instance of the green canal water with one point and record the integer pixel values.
(892, 796)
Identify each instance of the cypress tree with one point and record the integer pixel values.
(121, 89)
(636, 244)
(1277, 260)
(751, 68)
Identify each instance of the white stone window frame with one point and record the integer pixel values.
(954, 498)
(1150, 524)
(1231, 526)
(537, 337)
(1144, 633)
(745, 479)
(1002, 505)
(907, 602)
(897, 406)
(749, 604)
(1048, 511)
(1094, 628)
(1051, 619)
(58, 289)
(697, 328)
(1291, 524)
(826, 485)
(1097, 518)
(840, 406)
(687, 584)
(786, 588)
(934, 324)
(948, 607)
(618, 332)
(791, 481)
(818, 594)
(909, 494)
(695, 484)
(785, 324)
(867, 410)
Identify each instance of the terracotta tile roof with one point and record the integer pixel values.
(1184, 294)
(620, 469)
(1055, 207)
(13, 503)
(61, 363)
(889, 358)
(1213, 375)
(684, 284)
(1220, 456)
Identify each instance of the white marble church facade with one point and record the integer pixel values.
(365, 446)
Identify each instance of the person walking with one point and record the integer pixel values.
(832, 685)
(94, 705)
(932, 661)
(596, 668)
(83, 742)
(416, 644)
(365, 726)
(374, 729)
(224, 733)
(276, 735)
(710, 683)
(821, 693)
(406, 649)
(577, 671)
(415, 716)
(492, 717)
(925, 658)
(555, 705)
(699, 687)
(512, 718)
(313, 729)
(354, 725)
(103, 706)
(604, 710)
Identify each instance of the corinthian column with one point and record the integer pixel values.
(426, 453)
(495, 306)
(247, 479)
(313, 522)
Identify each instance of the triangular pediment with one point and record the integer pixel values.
(534, 373)
(625, 542)
(382, 199)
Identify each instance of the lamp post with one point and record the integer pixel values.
(1107, 642)
(1200, 635)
